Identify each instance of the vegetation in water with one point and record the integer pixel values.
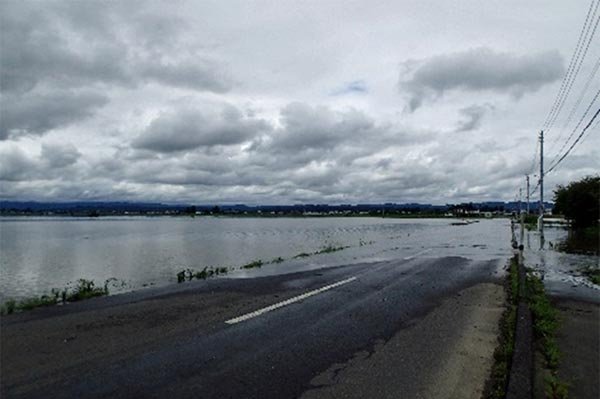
(302, 255)
(579, 202)
(84, 289)
(530, 221)
(592, 272)
(254, 264)
(581, 241)
(207, 272)
(328, 249)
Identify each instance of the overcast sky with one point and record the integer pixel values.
(279, 102)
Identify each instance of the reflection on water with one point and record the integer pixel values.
(38, 254)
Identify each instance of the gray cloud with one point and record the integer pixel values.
(59, 155)
(305, 127)
(52, 163)
(471, 117)
(127, 91)
(15, 165)
(31, 114)
(354, 87)
(480, 69)
(199, 74)
(188, 129)
(88, 43)
(34, 51)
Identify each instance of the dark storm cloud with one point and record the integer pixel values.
(30, 114)
(188, 129)
(480, 69)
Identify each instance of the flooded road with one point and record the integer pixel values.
(39, 254)
(419, 326)
(410, 308)
(407, 308)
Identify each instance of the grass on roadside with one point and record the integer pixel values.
(545, 326)
(496, 387)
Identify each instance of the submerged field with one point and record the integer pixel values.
(40, 254)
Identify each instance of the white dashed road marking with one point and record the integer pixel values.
(288, 301)
(417, 254)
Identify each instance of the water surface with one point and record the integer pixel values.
(38, 254)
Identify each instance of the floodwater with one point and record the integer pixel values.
(38, 254)
(561, 272)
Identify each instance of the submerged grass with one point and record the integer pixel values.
(329, 249)
(84, 289)
(497, 385)
(302, 255)
(254, 264)
(207, 272)
(530, 222)
(592, 273)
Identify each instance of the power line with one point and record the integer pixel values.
(579, 64)
(575, 142)
(577, 126)
(532, 191)
(571, 66)
(535, 154)
(577, 103)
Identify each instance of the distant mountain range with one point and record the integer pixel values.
(107, 208)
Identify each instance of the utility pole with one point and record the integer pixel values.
(527, 178)
(541, 218)
(521, 218)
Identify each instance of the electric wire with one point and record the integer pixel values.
(553, 167)
(576, 127)
(577, 103)
(576, 73)
(570, 68)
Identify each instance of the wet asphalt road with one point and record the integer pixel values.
(273, 355)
